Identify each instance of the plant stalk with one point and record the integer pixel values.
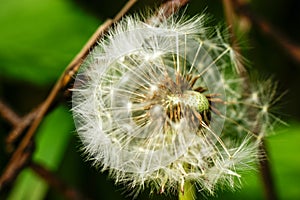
(188, 192)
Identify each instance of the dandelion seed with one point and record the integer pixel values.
(154, 106)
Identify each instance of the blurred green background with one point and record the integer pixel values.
(39, 38)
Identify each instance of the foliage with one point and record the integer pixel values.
(37, 40)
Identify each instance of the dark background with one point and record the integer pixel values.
(39, 38)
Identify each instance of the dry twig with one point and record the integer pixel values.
(9, 115)
(265, 27)
(265, 168)
(13, 167)
(55, 182)
(18, 129)
(266, 173)
(19, 159)
(18, 123)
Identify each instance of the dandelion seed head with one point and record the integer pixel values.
(155, 104)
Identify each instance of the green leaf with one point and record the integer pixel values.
(51, 142)
(283, 148)
(39, 38)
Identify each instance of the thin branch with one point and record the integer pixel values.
(11, 174)
(18, 129)
(166, 10)
(265, 170)
(54, 181)
(265, 167)
(231, 22)
(230, 17)
(124, 10)
(170, 7)
(13, 167)
(8, 114)
(18, 123)
(265, 27)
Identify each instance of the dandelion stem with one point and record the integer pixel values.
(188, 192)
(266, 174)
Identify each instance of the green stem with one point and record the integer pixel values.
(188, 192)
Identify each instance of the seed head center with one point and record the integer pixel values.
(192, 99)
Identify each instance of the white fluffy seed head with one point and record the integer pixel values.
(149, 106)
